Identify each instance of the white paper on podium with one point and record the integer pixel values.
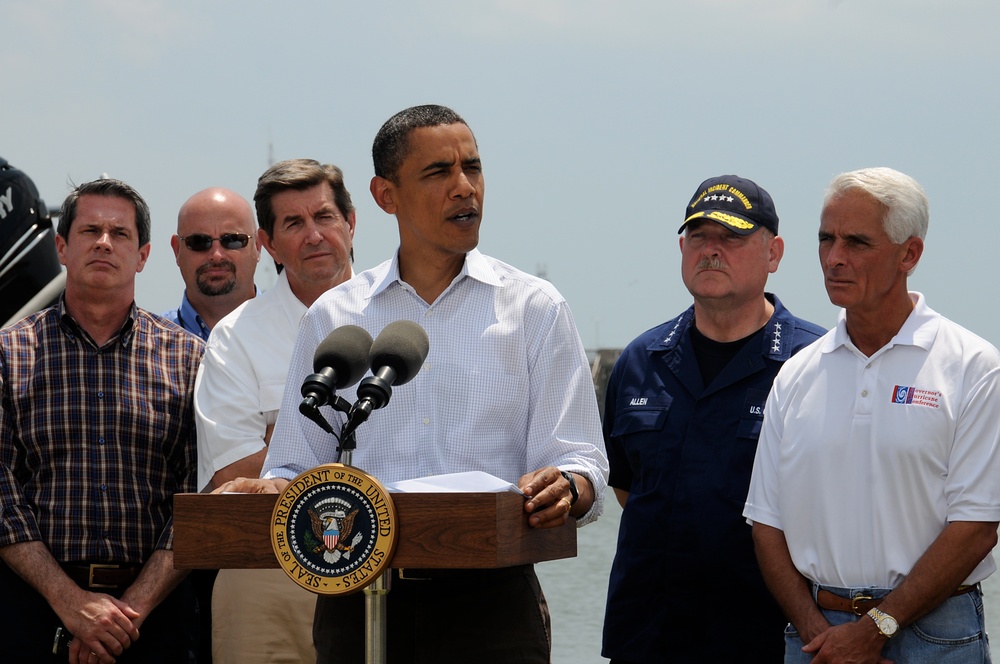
(473, 481)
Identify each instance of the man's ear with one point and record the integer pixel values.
(61, 248)
(913, 250)
(175, 244)
(384, 193)
(143, 257)
(775, 252)
(265, 241)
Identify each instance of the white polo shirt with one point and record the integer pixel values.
(862, 461)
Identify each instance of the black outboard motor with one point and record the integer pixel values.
(31, 277)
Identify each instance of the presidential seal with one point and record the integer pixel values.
(334, 529)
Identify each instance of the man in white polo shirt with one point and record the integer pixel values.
(875, 494)
(307, 224)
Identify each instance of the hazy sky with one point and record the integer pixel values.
(595, 121)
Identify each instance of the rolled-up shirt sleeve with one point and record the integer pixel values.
(231, 423)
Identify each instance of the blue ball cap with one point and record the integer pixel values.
(736, 203)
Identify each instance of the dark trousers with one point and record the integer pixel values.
(481, 616)
(28, 626)
(203, 582)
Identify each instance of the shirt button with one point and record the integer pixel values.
(427, 420)
(104, 487)
(100, 394)
(864, 393)
(100, 440)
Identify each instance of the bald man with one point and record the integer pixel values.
(217, 252)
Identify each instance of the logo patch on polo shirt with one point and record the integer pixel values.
(912, 396)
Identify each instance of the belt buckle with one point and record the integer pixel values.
(90, 576)
(854, 603)
(402, 573)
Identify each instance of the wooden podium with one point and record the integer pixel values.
(436, 530)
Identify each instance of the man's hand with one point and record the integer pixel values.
(252, 485)
(102, 626)
(852, 643)
(549, 498)
(99, 623)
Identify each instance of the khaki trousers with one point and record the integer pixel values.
(260, 616)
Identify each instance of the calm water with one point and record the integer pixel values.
(576, 590)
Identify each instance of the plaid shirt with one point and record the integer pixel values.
(94, 442)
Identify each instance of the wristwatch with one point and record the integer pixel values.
(887, 625)
(574, 492)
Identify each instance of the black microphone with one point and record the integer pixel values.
(396, 357)
(340, 361)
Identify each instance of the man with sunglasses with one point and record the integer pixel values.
(217, 253)
(307, 226)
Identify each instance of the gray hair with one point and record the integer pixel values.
(906, 207)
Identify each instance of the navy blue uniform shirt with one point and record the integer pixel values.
(684, 452)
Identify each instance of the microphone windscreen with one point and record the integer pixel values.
(345, 350)
(402, 345)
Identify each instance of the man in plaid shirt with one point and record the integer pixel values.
(96, 435)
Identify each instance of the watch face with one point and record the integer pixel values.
(887, 625)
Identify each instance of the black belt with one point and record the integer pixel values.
(414, 574)
(102, 575)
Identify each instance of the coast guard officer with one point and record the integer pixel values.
(683, 411)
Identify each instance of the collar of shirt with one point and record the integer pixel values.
(189, 319)
(919, 329)
(780, 323)
(72, 329)
(475, 266)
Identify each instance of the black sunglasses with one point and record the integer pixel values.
(201, 242)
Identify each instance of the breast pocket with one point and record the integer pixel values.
(739, 453)
(752, 416)
(639, 424)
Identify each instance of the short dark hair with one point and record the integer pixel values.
(105, 187)
(298, 174)
(392, 145)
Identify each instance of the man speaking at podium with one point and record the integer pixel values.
(505, 389)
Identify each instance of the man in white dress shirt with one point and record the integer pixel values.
(307, 225)
(506, 389)
(875, 494)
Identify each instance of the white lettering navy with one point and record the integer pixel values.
(7, 203)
